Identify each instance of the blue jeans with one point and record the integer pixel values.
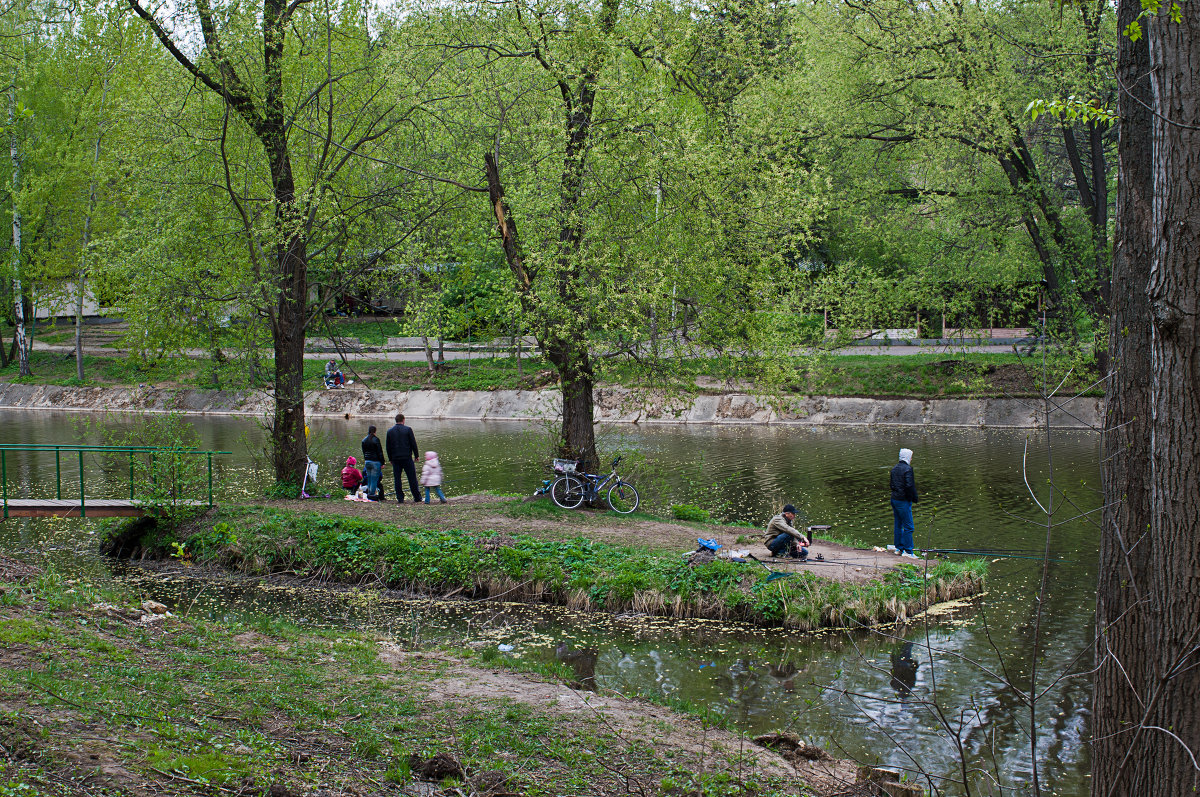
(902, 526)
(437, 489)
(372, 471)
(784, 545)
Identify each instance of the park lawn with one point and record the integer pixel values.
(884, 376)
(107, 693)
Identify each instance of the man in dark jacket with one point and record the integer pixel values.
(373, 461)
(402, 453)
(904, 495)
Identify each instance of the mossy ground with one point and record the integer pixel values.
(99, 697)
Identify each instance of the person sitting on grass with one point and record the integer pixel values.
(351, 476)
(431, 476)
(785, 540)
(333, 375)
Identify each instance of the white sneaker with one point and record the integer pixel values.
(908, 555)
(892, 549)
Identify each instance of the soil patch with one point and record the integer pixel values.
(630, 719)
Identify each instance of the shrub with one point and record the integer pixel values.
(689, 512)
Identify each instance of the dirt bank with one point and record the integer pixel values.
(613, 405)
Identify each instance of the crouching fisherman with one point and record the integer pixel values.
(785, 540)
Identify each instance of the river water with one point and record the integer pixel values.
(910, 697)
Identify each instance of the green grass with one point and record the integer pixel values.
(578, 573)
(916, 376)
(204, 706)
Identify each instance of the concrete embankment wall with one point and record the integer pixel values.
(613, 405)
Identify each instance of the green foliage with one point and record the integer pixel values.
(689, 512)
(283, 489)
(171, 478)
(704, 784)
(205, 765)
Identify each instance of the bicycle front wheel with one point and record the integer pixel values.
(567, 492)
(622, 498)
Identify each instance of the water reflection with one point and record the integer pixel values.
(904, 669)
(869, 690)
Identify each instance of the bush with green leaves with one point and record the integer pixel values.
(689, 512)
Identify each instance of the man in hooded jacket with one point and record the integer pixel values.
(904, 495)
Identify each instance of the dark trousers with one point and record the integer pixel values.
(409, 467)
(786, 545)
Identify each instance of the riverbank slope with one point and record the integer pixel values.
(613, 405)
(534, 552)
(101, 692)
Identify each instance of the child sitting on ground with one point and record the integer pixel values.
(351, 476)
(431, 476)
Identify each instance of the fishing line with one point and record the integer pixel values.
(995, 554)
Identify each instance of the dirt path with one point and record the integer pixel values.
(631, 720)
(485, 513)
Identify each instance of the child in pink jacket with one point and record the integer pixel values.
(431, 476)
(351, 476)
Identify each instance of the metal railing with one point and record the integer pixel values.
(133, 453)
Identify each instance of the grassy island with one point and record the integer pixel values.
(557, 563)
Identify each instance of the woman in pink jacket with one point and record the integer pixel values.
(431, 476)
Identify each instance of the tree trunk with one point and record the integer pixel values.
(1124, 620)
(428, 354)
(1147, 730)
(87, 234)
(81, 277)
(288, 330)
(20, 338)
(578, 437)
(1175, 404)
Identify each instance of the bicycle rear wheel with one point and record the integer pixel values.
(567, 492)
(622, 498)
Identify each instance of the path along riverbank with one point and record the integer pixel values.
(613, 405)
(485, 547)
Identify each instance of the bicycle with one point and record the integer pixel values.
(574, 487)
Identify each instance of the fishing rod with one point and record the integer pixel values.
(999, 554)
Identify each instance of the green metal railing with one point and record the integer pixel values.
(133, 453)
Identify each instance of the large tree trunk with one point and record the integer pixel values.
(1148, 681)
(290, 452)
(1124, 619)
(291, 317)
(578, 436)
(1175, 405)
